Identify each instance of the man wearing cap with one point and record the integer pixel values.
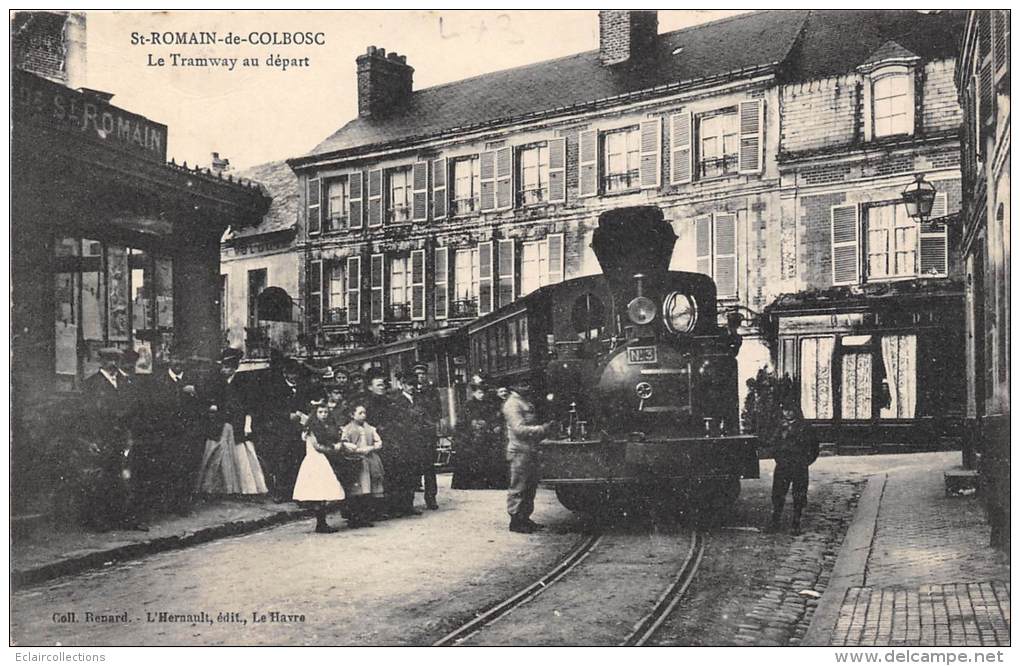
(431, 407)
(523, 432)
(112, 501)
(408, 444)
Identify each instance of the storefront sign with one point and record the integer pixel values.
(87, 116)
(825, 322)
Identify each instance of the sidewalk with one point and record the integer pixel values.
(48, 552)
(915, 569)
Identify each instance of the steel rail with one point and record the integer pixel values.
(576, 555)
(650, 623)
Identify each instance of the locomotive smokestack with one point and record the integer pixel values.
(634, 240)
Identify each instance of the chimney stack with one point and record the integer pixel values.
(626, 35)
(385, 82)
(220, 164)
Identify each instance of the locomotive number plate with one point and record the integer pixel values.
(642, 355)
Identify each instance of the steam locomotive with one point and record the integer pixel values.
(636, 368)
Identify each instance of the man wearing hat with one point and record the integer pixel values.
(523, 432)
(477, 437)
(795, 448)
(431, 406)
(107, 413)
(409, 445)
(284, 408)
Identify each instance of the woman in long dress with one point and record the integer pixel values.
(230, 465)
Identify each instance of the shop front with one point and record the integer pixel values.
(873, 362)
(110, 247)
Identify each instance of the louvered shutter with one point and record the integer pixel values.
(377, 279)
(846, 257)
(442, 283)
(554, 247)
(752, 116)
(725, 256)
(1000, 43)
(357, 220)
(703, 244)
(314, 309)
(375, 187)
(420, 191)
(353, 290)
(439, 189)
(506, 273)
(987, 92)
(934, 242)
(314, 207)
(487, 179)
(651, 151)
(588, 163)
(418, 285)
(681, 156)
(504, 178)
(557, 170)
(485, 296)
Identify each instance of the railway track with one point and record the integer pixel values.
(642, 631)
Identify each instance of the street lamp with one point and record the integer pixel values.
(919, 197)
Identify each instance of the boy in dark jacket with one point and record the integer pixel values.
(795, 449)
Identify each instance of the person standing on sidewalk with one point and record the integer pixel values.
(796, 447)
(522, 434)
(427, 397)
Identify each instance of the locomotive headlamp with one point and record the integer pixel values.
(641, 310)
(679, 312)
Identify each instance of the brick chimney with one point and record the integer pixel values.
(625, 35)
(385, 82)
(220, 164)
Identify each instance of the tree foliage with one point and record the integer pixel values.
(767, 393)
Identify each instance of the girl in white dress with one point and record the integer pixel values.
(316, 483)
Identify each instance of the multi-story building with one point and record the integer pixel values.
(982, 78)
(259, 267)
(436, 206)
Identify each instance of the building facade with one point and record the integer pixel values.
(436, 206)
(982, 79)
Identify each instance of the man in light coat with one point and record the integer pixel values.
(523, 433)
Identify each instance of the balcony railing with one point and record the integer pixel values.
(621, 182)
(534, 196)
(464, 206)
(336, 223)
(399, 213)
(336, 317)
(399, 312)
(464, 308)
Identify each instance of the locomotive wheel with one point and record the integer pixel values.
(594, 500)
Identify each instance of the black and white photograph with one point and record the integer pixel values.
(510, 328)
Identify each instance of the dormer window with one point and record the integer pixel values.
(889, 92)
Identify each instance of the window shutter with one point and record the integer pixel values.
(588, 163)
(418, 285)
(554, 246)
(506, 273)
(377, 277)
(987, 92)
(353, 290)
(314, 207)
(375, 186)
(934, 242)
(703, 244)
(485, 305)
(504, 178)
(315, 292)
(357, 197)
(725, 259)
(420, 192)
(846, 260)
(751, 129)
(1000, 45)
(487, 179)
(681, 156)
(439, 196)
(442, 282)
(557, 170)
(651, 148)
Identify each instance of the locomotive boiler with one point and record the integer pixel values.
(643, 378)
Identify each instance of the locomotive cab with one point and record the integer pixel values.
(653, 407)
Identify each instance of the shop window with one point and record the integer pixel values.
(816, 377)
(857, 386)
(899, 358)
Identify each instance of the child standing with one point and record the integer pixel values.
(360, 442)
(795, 449)
(316, 483)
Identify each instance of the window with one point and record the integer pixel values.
(816, 377)
(400, 289)
(337, 313)
(534, 175)
(718, 144)
(541, 263)
(398, 203)
(621, 160)
(338, 204)
(466, 186)
(716, 251)
(899, 356)
(256, 284)
(466, 279)
(893, 105)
